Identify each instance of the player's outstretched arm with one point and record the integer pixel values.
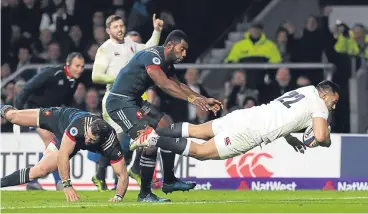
(172, 88)
(122, 174)
(155, 38)
(100, 65)
(66, 149)
(321, 131)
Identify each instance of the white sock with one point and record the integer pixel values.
(185, 130)
(187, 148)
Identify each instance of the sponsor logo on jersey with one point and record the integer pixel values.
(73, 131)
(61, 82)
(116, 54)
(138, 114)
(47, 113)
(156, 61)
(248, 165)
(227, 141)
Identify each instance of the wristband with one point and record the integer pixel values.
(191, 98)
(67, 183)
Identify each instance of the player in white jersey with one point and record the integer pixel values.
(115, 53)
(111, 57)
(242, 130)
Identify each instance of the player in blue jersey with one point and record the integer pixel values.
(74, 130)
(151, 67)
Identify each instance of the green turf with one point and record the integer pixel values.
(194, 201)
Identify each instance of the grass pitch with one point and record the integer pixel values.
(189, 202)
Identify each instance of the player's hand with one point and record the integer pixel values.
(158, 24)
(70, 194)
(214, 104)
(201, 103)
(296, 144)
(116, 199)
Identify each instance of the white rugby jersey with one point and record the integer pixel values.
(111, 57)
(289, 113)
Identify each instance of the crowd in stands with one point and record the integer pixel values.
(55, 28)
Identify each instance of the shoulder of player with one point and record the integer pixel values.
(153, 52)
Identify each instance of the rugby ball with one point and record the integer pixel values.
(308, 138)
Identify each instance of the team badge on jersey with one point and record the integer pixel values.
(156, 60)
(47, 113)
(73, 131)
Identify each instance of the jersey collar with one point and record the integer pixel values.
(68, 75)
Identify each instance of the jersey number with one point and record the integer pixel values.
(290, 98)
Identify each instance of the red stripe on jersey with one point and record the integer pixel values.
(153, 66)
(116, 161)
(53, 141)
(70, 136)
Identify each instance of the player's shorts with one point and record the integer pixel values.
(106, 116)
(234, 135)
(48, 119)
(132, 115)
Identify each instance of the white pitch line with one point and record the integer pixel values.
(173, 203)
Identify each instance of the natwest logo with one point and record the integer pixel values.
(248, 165)
(273, 185)
(346, 186)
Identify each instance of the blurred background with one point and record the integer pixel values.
(245, 53)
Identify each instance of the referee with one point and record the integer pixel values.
(51, 87)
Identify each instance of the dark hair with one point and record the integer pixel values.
(176, 36)
(328, 86)
(250, 98)
(101, 130)
(72, 55)
(112, 19)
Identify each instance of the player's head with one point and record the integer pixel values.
(98, 131)
(75, 64)
(135, 36)
(176, 45)
(115, 27)
(329, 92)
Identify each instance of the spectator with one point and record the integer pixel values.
(255, 47)
(249, 102)
(24, 57)
(79, 96)
(354, 43)
(98, 19)
(135, 36)
(30, 12)
(276, 88)
(191, 77)
(200, 116)
(19, 85)
(53, 53)
(57, 21)
(302, 81)
(92, 101)
(237, 91)
(99, 35)
(16, 39)
(283, 44)
(5, 70)
(10, 93)
(40, 46)
(120, 12)
(76, 44)
(92, 50)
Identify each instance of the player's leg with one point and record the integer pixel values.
(127, 114)
(45, 166)
(27, 117)
(184, 129)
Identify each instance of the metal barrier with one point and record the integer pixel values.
(327, 67)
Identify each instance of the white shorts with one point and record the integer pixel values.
(234, 135)
(107, 118)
